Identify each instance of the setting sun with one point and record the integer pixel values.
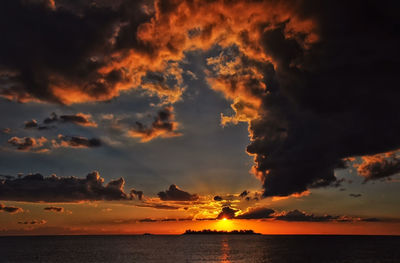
(226, 224)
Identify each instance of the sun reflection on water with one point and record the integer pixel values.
(225, 250)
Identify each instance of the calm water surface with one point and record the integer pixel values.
(203, 248)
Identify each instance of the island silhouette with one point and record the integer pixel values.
(216, 232)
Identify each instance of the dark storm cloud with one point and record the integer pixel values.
(333, 100)
(37, 188)
(329, 92)
(10, 209)
(54, 209)
(227, 213)
(257, 213)
(45, 47)
(176, 194)
(77, 142)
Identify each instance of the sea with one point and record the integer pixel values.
(201, 248)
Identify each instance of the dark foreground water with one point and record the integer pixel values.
(207, 248)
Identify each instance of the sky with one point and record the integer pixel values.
(132, 117)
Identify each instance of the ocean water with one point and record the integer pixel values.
(201, 248)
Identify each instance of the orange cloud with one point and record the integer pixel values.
(163, 126)
(79, 119)
(379, 166)
(295, 195)
(27, 144)
(181, 26)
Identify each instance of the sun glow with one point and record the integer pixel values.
(225, 224)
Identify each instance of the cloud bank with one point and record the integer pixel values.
(38, 188)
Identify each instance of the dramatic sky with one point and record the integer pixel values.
(121, 116)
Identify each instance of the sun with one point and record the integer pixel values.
(225, 224)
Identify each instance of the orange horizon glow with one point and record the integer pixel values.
(258, 226)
